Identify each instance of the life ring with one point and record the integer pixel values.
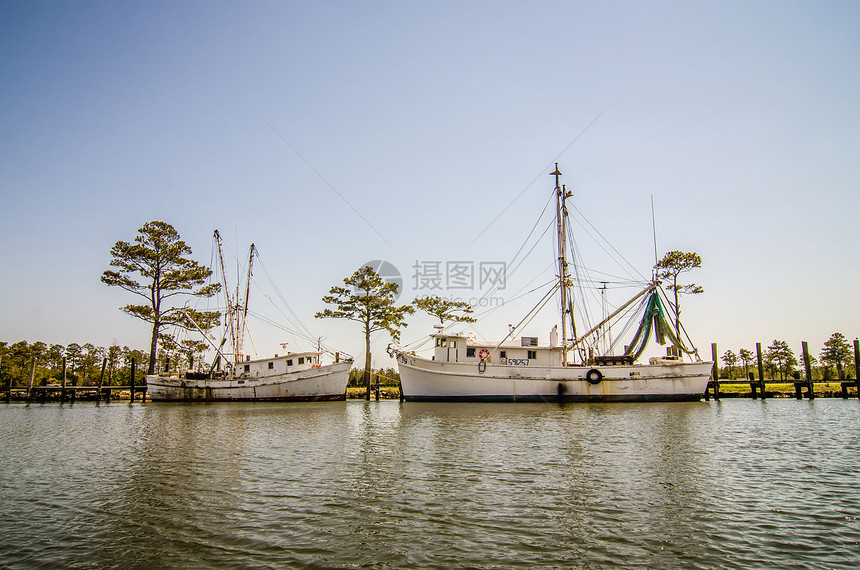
(594, 376)
(483, 354)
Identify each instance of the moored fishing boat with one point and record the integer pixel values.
(291, 377)
(462, 368)
(294, 376)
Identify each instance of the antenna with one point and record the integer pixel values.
(654, 229)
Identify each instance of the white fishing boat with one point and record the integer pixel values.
(294, 376)
(465, 369)
(291, 377)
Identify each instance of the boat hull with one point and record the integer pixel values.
(314, 384)
(426, 380)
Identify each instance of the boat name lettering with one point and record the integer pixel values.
(518, 361)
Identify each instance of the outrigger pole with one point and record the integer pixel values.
(651, 286)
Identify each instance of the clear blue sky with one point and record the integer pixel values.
(266, 120)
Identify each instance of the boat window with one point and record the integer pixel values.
(441, 342)
(453, 344)
(503, 354)
(532, 354)
(290, 362)
(271, 365)
(247, 368)
(301, 360)
(470, 352)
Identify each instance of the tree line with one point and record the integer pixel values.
(834, 362)
(84, 361)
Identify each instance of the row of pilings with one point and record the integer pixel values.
(758, 387)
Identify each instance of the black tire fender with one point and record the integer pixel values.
(594, 376)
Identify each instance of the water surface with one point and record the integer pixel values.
(734, 484)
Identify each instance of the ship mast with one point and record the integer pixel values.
(563, 278)
(237, 312)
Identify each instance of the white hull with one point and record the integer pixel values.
(326, 382)
(429, 380)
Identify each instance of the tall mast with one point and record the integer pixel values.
(563, 278)
(242, 310)
(231, 306)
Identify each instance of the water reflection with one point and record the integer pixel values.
(392, 484)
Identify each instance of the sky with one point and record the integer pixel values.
(334, 133)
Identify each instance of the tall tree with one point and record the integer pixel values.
(780, 357)
(156, 267)
(670, 268)
(731, 359)
(836, 352)
(369, 300)
(747, 357)
(445, 310)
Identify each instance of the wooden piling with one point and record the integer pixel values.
(857, 366)
(753, 386)
(109, 384)
(8, 383)
(63, 385)
(73, 393)
(810, 391)
(759, 362)
(101, 381)
(32, 376)
(131, 381)
(716, 371)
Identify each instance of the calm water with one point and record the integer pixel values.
(736, 484)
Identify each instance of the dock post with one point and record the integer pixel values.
(63, 385)
(8, 383)
(857, 366)
(716, 371)
(32, 376)
(108, 389)
(753, 385)
(131, 381)
(101, 381)
(73, 392)
(810, 391)
(760, 368)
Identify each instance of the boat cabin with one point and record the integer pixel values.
(525, 352)
(290, 362)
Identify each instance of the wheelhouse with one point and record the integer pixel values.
(459, 348)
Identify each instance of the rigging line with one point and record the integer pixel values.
(508, 274)
(629, 314)
(271, 322)
(480, 316)
(534, 245)
(530, 315)
(324, 179)
(583, 305)
(601, 246)
(327, 348)
(680, 324)
(543, 170)
(608, 243)
(497, 287)
(298, 321)
(537, 221)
